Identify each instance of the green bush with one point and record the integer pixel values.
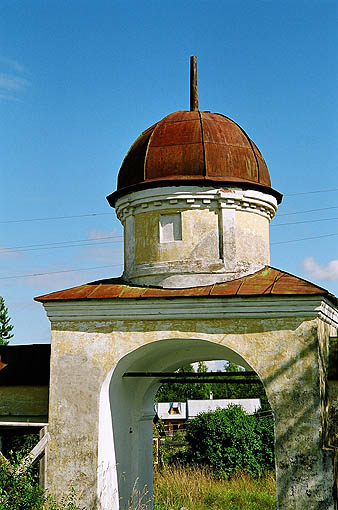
(19, 491)
(265, 454)
(229, 440)
(16, 446)
(68, 502)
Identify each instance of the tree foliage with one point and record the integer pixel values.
(254, 390)
(229, 440)
(175, 392)
(5, 326)
(19, 491)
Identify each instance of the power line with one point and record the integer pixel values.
(310, 192)
(308, 211)
(56, 217)
(116, 265)
(304, 221)
(304, 239)
(93, 242)
(111, 213)
(58, 247)
(57, 272)
(89, 242)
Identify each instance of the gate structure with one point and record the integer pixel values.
(195, 200)
(100, 423)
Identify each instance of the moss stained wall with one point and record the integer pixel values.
(284, 352)
(199, 237)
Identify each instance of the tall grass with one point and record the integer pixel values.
(196, 488)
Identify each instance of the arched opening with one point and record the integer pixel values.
(208, 453)
(127, 411)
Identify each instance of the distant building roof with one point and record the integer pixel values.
(191, 408)
(268, 281)
(171, 410)
(195, 407)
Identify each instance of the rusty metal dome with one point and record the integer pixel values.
(193, 147)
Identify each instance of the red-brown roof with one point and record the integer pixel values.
(267, 281)
(193, 147)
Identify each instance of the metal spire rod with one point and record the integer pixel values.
(193, 85)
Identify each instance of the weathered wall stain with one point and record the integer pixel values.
(283, 352)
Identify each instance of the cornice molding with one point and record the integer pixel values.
(197, 308)
(194, 197)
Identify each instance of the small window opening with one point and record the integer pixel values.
(175, 409)
(170, 227)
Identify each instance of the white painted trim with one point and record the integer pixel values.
(195, 197)
(328, 313)
(193, 308)
(228, 204)
(35, 454)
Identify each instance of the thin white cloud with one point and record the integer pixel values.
(13, 64)
(315, 271)
(99, 233)
(59, 276)
(50, 281)
(8, 97)
(112, 252)
(10, 82)
(9, 252)
(214, 366)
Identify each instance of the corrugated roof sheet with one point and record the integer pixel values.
(195, 407)
(267, 281)
(191, 408)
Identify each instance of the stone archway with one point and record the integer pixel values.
(128, 440)
(285, 341)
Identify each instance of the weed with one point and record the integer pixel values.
(139, 500)
(197, 488)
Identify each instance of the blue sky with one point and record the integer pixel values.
(80, 80)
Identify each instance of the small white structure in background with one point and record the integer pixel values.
(171, 410)
(195, 407)
(175, 414)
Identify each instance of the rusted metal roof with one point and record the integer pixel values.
(193, 147)
(267, 281)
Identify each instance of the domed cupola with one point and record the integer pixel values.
(195, 199)
(193, 147)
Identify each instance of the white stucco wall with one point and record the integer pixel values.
(100, 422)
(224, 234)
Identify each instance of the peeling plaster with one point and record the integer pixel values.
(88, 357)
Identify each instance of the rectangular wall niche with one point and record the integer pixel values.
(170, 227)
